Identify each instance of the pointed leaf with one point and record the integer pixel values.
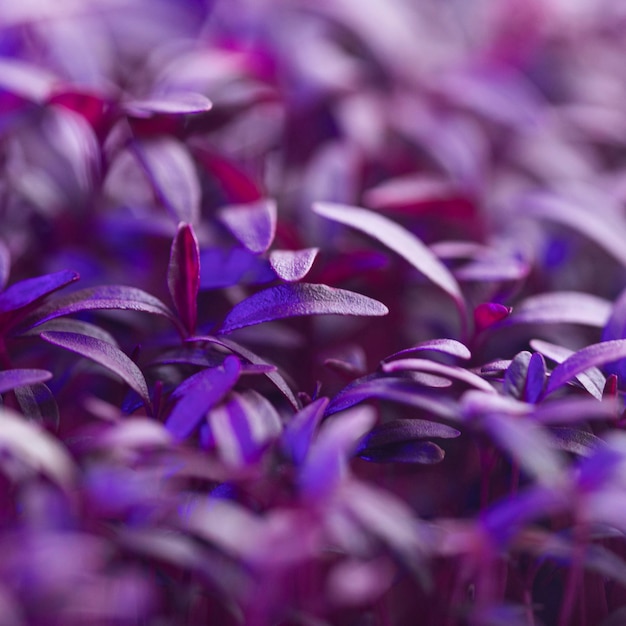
(183, 275)
(398, 239)
(31, 290)
(576, 441)
(535, 378)
(489, 313)
(444, 346)
(591, 356)
(104, 354)
(197, 394)
(37, 403)
(449, 371)
(173, 175)
(299, 431)
(67, 324)
(298, 299)
(565, 307)
(10, 379)
(292, 265)
(515, 375)
(253, 224)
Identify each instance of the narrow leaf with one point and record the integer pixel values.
(444, 346)
(179, 103)
(254, 224)
(298, 299)
(576, 441)
(183, 276)
(535, 378)
(299, 431)
(398, 239)
(237, 266)
(591, 356)
(10, 379)
(411, 451)
(197, 394)
(37, 403)
(104, 354)
(515, 375)
(31, 290)
(292, 265)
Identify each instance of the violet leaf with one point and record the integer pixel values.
(237, 266)
(516, 374)
(197, 394)
(104, 354)
(183, 275)
(451, 347)
(173, 175)
(591, 356)
(253, 224)
(576, 441)
(411, 451)
(570, 410)
(489, 313)
(292, 265)
(10, 379)
(5, 265)
(398, 239)
(298, 433)
(178, 103)
(298, 299)
(70, 325)
(535, 378)
(38, 403)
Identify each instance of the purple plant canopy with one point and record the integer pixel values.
(292, 265)
(199, 393)
(10, 379)
(590, 356)
(223, 268)
(398, 239)
(183, 276)
(564, 307)
(450, 347)
(173, 176)
(298, 434)
(297, 299)
(104, 354)
(179, 103)
(32, 290)
(448, 371)
(253, 224)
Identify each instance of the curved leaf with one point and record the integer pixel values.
(5, 265)
(104, 354)
(10, 379)
(299, 431)
(591, 356)
(197, 394)
(292, 265)
(410, 451)
(298, 299)
(398, 239)
(576, 441)
(183, 275)
(253, 224)
(37, 403)
(179, 103)
(489, 313)
(31, 290)
(444, 346)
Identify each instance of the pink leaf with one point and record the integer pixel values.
(292, 265)
(104, 354)
(253, 224)
(297, 299)
(489, 313)
(183, 276)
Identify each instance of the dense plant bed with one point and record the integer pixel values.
(312, 313)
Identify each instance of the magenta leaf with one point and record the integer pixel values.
(591, 356)
(292, 265)
(10, 379)
(489, 313)
(173, 176)
(439, 369)
(398, 239)
(444, 346)
(253, 224)
(183, 276)
(197, 394)
(180, 103)
(104, 354)
(299, 431)
(565, 307)
(292, 300)
(117, 297)
(32, 290)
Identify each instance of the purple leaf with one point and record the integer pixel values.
(535, 378)
(576, 441)
(297, 299)
(37, 403)
(591, 356)
(30, 291)
(181, 103)
(70, 325)
(104, 354)
(299, 431)
(609, 234)
(326, 463)
(493, 268)
(197, 394)
(615, 328)
(591, 378)
(444, 346)
(183, 275)
(237, 266)
(566, 307)
(10, 379)
(253, 224)
(292, 265)
(448, 371)
(411, 451)
(515, 375)
(117, 297)
(489, 313)
(398, 239)
(173, 176)
(31, 82)
(5, 265)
